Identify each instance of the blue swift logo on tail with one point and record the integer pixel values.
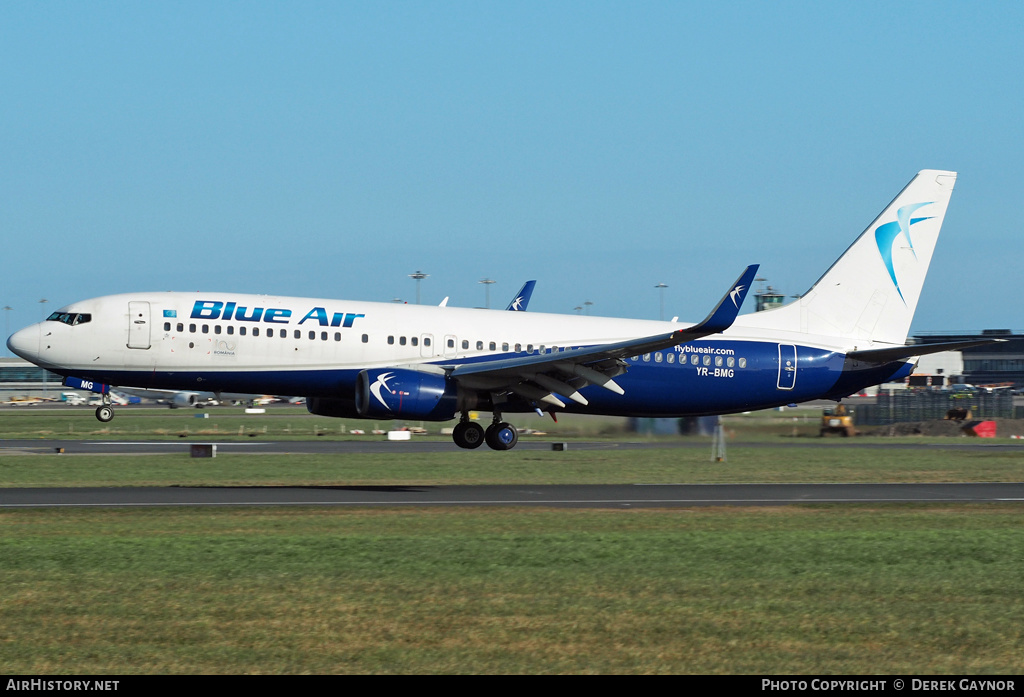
(522, 298)
(885, 238)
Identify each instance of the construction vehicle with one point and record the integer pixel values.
(838, 420)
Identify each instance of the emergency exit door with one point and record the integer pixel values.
(787, 366)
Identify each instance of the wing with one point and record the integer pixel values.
(539, 377)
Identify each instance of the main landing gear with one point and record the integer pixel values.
(500, 435)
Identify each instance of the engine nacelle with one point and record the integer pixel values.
(395, 393)
(337, 407)
(183, 399)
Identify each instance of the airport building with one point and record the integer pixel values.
(19, 378)
(999, 364)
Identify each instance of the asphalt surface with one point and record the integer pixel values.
(376, 444)
(559, 496)
(566, 496)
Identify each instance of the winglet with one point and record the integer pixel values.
(522, 298)
(724, 314)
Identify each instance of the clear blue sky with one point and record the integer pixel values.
(329, 149)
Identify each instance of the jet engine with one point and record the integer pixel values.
(183, 399)
(335, 407)
(395, 393)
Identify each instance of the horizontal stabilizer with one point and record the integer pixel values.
(887, 355)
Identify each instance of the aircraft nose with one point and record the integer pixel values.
(25, 342)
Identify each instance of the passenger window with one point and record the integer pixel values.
(181, 327)
(216, 329)
(192, 328)
(167, 326)
(415, 341)
(519, 348)
(323, 336)
(707, 359)
(297, 334)
(647, 357)
(206, 329)
(337, 336)
(231, 329)
(366, 338)
(451, 343)
(694, 359)
(255, 331)
(312, 334)
(657, 357)
(492, 346)
(671, 357)
(718, 361)
(730, 361)
(391, 341)
(401, 340)
(743, 362)
(479, 346)
(426, 341)
(529, 348)
(241, 330)
(465, 344)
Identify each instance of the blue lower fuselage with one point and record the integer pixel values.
(698, 378)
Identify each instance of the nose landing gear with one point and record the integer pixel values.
(105, 412)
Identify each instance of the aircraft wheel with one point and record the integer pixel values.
(104, 413)
(468, 434)
(502, 436)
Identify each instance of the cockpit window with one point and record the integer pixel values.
(71, 318)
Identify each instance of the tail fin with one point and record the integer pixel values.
(870, 293)
(522, 298)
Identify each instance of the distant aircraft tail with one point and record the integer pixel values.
(522, 298)
(870, 293)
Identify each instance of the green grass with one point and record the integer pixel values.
(827, 463)
(825, 589)
(279, 422)
(806, 589)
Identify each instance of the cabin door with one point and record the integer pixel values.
(138, 325)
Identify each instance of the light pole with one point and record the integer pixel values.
(45, 390)
(7, 321)
(487, 283)
(418, 276)
(661, 288)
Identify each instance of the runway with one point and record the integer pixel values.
(622, 496)
(40, 446)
